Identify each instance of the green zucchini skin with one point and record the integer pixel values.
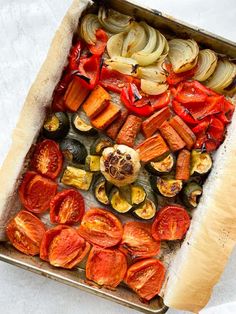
(150, 167)
(73, 150)
(80, 126)
(187, 194)
(201, 163)
(118, 202)
(146, 210)
(101, 190)
(100, 144)
(92, 163)
(56, 126)
(155, 182)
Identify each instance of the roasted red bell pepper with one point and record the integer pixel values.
(100, 44)
(74, 56)
(190, 92)
(175, 78)
(227, 112)
(183, 112)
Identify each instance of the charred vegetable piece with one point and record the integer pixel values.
(166, 186)
(56, 126)
(115, 127)
(183, 165)
(138, 194)
(172, 138)
(191, 194)
(201, 163)
(92, 163)
(146, 210)
(129, 131)
(152, 124)
(100, 144)
(77, 178)
(101, 189)
(119, 202)
(163, 166)
(73, 150)
(81, 126)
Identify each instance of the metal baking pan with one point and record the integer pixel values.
(170, 27)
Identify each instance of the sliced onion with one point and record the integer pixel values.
(183, 54)
(153, 88)
(151, 38)
(135, 40)
(155, 73)
(123, 65)
(164, 52)
(115, 44)
(114, 21)
(88, 27)
(223, 76)
(207, 61)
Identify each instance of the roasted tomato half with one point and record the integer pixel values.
(25, 232)
(106, 267)
(67, 207)
(171, 223)
(101, 228)
(63, 247)
(146, 278)
(35, 192)
(47, 159)
(137, 240)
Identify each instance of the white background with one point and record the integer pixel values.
(26, 30)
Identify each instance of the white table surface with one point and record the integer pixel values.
(26, 30)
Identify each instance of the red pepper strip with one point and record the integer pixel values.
(204, 89)
(134, 94)
(74, 56)
(216, 130)
(227, 112)
(190, 92)
(183, 112)
(202, 126)
(100, 44)
(161, 101)
(175, 78)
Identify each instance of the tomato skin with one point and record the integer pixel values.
(35, 192)
(138, 241)
(25, 232)
(47, 159)
(63, 247)
(171, 223)
(106, 267)
(146, 278)
(67, 207)
(101, 228)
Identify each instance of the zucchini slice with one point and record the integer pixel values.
(191, 194)
(138, 194)
(101, 188)
(118, 201)
(92, 163)
(99, 145)
(166, 186)
(81, 126)
(147, 210)
(73, 150)
(163, 166)
(77, 178)
(56, 126)
(201, 163)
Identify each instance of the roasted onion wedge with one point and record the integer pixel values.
(88, 27)
(207, 61)
(113, 21)
(123, 65)
(223, 76)
(153, 88)
(135, 40)
(115, 44)
(183, 54)
(154, 72)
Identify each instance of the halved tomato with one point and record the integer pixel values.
(137, 240)
(25, 232)
(63, 247)
(146, 278)
(101, 228)
(67, 207)
(47, 159)
(171, 223)
(35, 192)
(106, 267)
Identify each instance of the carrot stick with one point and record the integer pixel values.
(129, 131)
(172, 137)
(115, 127)
(106, 117)
(152, 124)
(183, 165)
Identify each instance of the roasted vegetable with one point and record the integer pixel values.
(106, 117)
(100, 144)
(173, 139)
(166, 186)
(73, 150)
(201, 163)
(138, 194)
(146, 210)
(81, 126)
(115, 127)
(129, 131)
(119, 202)
(92, 163)
(163, 166)
(77, 178)
(101, 189)
(183, 165)
(191, 194)
(56, 126)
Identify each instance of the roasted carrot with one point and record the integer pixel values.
(152, 148)
(96, 102)
(183, 130)
(129, 131)
(183, 165)
(75, 94)
(115, 127)
(172, 137)
(152, 124)
(106, 117)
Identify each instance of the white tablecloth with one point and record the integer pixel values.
(26, 30)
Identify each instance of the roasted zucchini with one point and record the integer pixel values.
(162, 166)
(81, 126)
(146, 210)
(56, 126)
(101, 190)
(77, 178)
(92, 163)
(138, 194)
(100, 144)
(73, 150)
(166, 186)
(119, 202)
(201, 163)
(191, 194)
